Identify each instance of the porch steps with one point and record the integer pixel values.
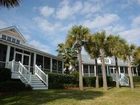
(36, 83)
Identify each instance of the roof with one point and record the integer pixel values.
(87, 60)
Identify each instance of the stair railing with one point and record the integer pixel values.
(41, 75)
(124, 80)
(26, 74)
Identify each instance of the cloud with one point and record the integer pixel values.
(102, 21)
(47, 26)
(46, 11)
(131, 35)
(65, 10)
(39, 45)
(3, 24)
(136, 21)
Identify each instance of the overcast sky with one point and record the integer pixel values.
(45, 23)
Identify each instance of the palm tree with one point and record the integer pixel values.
(9, 3)
(128, 53)
(75, 39)
(92, 49)
(115, 44)
(101, 43)
(68, 55)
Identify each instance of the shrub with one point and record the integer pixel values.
(59, 81)
(13, 86)
(136, 78)
(5, 74)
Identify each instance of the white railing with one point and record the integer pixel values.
(124, 80)
(14, 66)
(26, 74)
(41, 75)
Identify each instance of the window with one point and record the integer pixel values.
(47, 62)
(39, 60)
(8, 38)
(3, 49)
(91, 68)
(54, 64)
(18, 42)
(13, 40)
(85, 68)
(4, 37)
(59, 65)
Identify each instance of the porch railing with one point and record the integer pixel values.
(18, 67)
(26, 74)
(41, 75)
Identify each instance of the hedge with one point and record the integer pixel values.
(136, 79)
(5, 74)
(60, 81)
(13, 86)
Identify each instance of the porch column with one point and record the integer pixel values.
(34, 62)
(124, 70)
(136, 71)
(89, 70)
(95, 70)
(7, 55)
(119, 69)
(51, 66)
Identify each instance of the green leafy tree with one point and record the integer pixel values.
(75, 40)
(9, 3)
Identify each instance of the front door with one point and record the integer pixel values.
(23, 58)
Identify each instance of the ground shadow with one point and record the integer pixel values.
(43, 97)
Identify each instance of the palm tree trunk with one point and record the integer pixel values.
(130, 75)
(97, 76)
(103, 70)
(117, 73)
(80, 70)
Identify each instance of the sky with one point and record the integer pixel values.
(45, 23)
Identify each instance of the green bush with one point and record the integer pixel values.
(57, 81)
(60, 81)
(5, 74)
(13, 86)
(136, 78)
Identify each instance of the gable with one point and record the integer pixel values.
(13, 32)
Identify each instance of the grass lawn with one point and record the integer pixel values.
(90, 96)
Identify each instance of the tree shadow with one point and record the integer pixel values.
(43, 97)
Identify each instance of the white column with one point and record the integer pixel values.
(89, 70)
(51, 66)
(34, 62)
(124, 70)
(136, 71)
(119, 69)
(7, 55)
(95, 70)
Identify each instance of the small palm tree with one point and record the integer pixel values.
(115, 45)
(137, 56)
(68, 55)
(75, 39)
(9, 3)
(92, 49)
(128, 53)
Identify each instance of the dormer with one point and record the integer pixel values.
(12, 34)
